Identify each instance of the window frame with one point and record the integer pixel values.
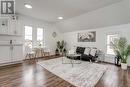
(111, 33)
(43, 38)
(31, 35)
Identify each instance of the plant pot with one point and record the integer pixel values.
(61, 53)
(124, 66)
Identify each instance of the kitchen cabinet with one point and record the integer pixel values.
(19, 28)
(17, 53)
(5, 54)
(11, 53)
(4, 25)
(10, 26)
(12, 30)
(15, 28)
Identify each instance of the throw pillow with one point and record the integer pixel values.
(93, 52)
(87, 51)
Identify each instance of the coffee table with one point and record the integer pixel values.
(72, 58)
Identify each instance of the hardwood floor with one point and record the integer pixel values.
(29, 74)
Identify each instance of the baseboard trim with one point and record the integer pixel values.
(11, 63)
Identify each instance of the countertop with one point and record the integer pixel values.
(11, 44)
(6, 43)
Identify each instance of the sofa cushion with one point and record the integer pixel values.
(86, 57)
(93, 52)
(80, 50)
(87, 50)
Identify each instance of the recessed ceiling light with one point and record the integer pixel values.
(60, 18)
(28, 6)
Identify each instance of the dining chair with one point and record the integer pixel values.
(29, 53)
(46, 52)
(39, 52)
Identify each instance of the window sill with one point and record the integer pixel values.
(111, 55)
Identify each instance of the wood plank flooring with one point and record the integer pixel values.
(29, 74)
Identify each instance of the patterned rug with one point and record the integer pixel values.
(85, 74)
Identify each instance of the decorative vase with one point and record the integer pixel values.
(117, 61)
(61, 53)
(124, 66)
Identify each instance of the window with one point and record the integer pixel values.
(28, 36)
(40, 36)
(111, 38)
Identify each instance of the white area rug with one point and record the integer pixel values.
(85, 74)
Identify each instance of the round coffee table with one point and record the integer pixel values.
(73, 58)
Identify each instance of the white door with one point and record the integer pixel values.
(17, 53)
(5, 54)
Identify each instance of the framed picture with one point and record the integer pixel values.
(87, 36)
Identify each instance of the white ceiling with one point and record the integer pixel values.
(49, 10)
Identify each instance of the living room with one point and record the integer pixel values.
(65, 43)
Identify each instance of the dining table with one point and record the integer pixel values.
(41, 52)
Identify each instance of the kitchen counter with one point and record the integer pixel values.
(11, 44)
(14, 43)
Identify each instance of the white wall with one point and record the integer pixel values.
(115, 14)
(71, 38)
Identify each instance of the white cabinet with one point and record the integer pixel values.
(17, 53)
(10, 26)
(11, 54)
(19, 28)
(15, 28)
(5, 54)
(12, 30)
(4, 25)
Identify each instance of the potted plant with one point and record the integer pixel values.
(61, 46)
(64, 51)
(56, 52)
(122, 50)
